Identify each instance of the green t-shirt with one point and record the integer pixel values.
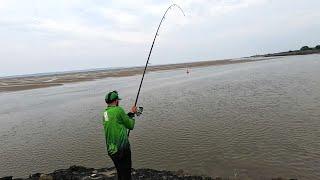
(116, 123)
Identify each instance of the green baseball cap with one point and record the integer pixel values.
(111, 96)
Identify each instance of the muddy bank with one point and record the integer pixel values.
(42, 81)
(83, 173)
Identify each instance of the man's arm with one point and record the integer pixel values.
(127, 119)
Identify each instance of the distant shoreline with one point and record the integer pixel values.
(291, 53)
(34, 82)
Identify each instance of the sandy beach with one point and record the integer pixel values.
(42, 81)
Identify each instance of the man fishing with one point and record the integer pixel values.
(116, 124)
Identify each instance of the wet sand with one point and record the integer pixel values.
(42, 81)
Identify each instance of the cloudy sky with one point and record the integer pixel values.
(61, 35)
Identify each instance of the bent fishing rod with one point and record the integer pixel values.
(145, 67)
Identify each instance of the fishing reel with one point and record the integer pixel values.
(139, 111)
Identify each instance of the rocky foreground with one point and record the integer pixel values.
(83, 173)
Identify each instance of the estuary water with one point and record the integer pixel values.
(250, 120)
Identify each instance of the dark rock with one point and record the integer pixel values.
(180, 172)
(80, 169)
(6, 178)
(45, 177)
(34, 176)
(83, 173)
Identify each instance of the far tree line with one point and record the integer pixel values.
(304, 48)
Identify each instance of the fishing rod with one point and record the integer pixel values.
(145, 67)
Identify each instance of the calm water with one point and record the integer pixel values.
(258, 120)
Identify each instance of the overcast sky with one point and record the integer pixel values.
(61, 35)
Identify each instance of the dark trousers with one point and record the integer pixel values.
(122, 161)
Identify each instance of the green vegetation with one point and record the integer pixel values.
(304, 48)
(302, 51)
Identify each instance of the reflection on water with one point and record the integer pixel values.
(259, 120)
